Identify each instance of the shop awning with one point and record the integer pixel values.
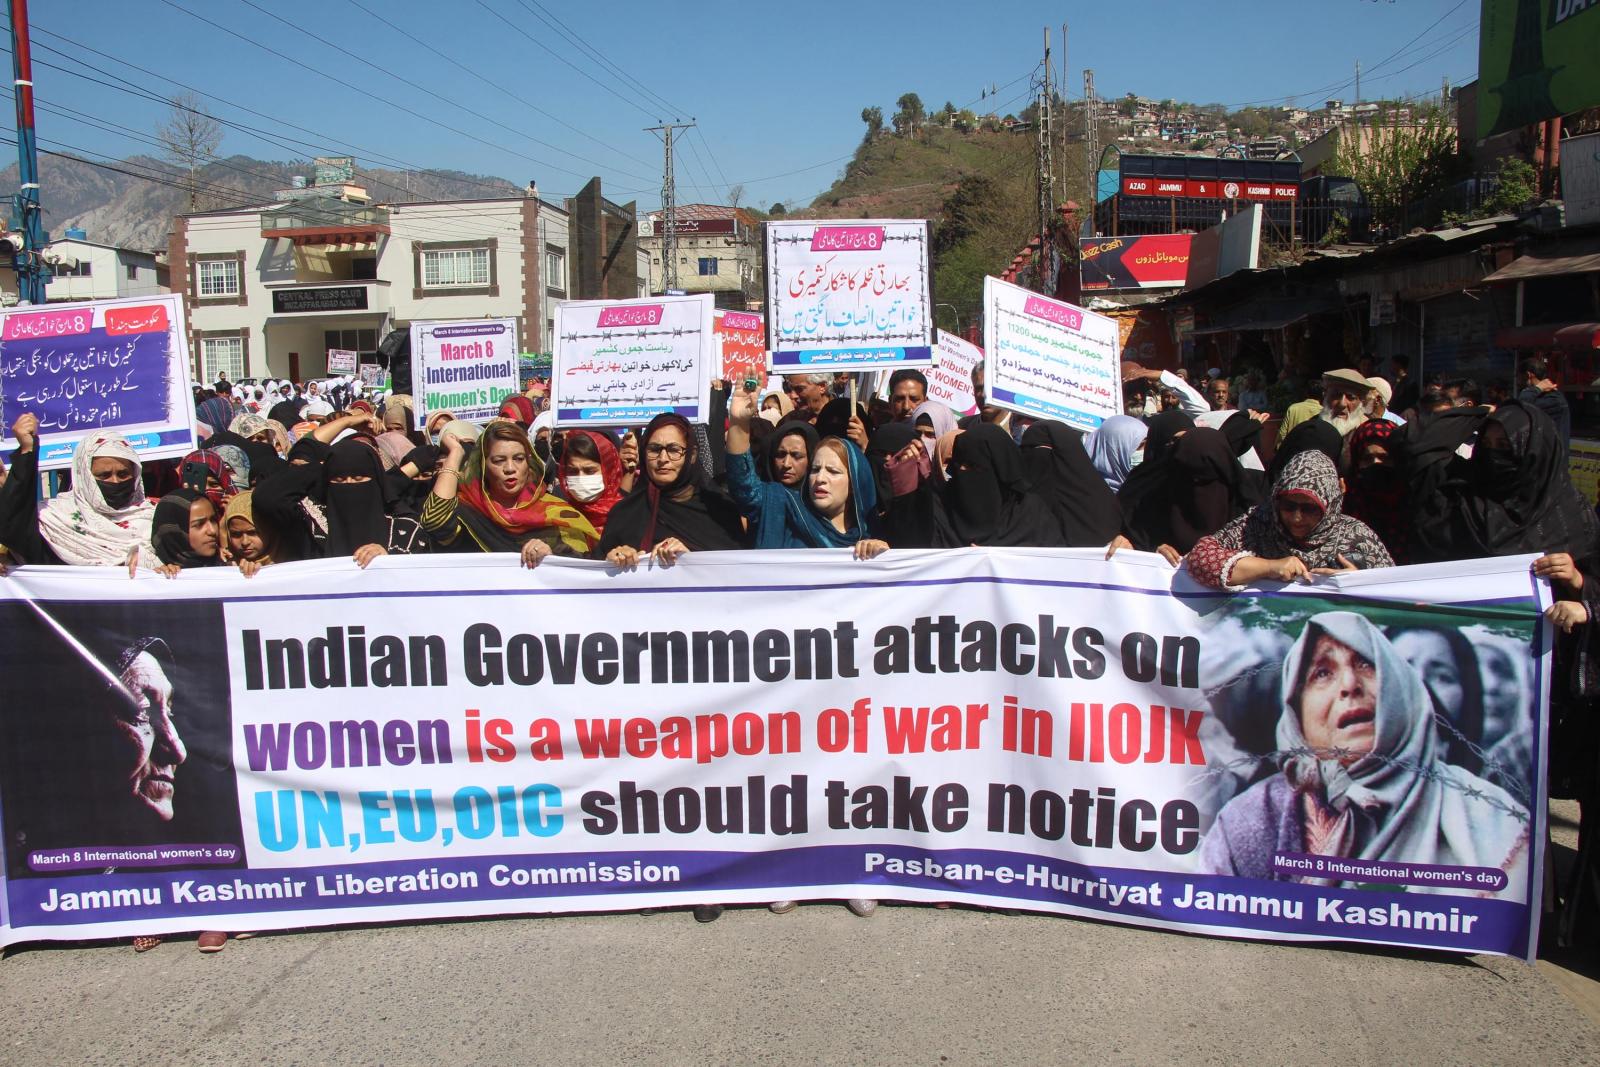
(1548, 266)
(1574, 336)
(1268, 315)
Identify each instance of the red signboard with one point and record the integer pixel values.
(1210, 188)
(1154, 261)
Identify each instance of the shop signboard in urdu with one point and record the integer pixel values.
(1149, 262)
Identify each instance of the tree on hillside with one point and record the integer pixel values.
(873, 117)
(910, 115)
(189, 138)
(735, 195)
(1396, 166)
(777, 209)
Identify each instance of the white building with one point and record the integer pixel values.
(88, 270)
(269, 290)
(718, 250)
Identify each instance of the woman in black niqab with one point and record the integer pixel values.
(1198, 489)
(989, 499)
(1055, 462)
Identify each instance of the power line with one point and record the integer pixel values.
(338, 145)
(371, 96)
(559, 56)
(549, 18)
(434, 50)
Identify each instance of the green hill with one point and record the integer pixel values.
(978, 187)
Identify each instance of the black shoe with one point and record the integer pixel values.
(707, 913)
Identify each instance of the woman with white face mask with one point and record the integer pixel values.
(591, 477)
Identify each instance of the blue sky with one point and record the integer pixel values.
(777, 90)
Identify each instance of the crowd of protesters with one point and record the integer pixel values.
(1363, 472)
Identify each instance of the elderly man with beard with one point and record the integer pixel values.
(1344, 399)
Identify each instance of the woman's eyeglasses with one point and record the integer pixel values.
(670, 451)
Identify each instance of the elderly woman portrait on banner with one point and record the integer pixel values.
(1363, 773)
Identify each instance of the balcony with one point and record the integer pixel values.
(326, 221)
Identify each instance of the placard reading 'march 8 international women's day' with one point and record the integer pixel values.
(98, 365)
(851, 295)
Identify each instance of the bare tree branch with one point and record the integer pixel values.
(189, 139)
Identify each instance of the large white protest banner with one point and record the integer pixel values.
(120, 365)
(848, 296)
(1029, 728)
(465, 366)
(623, 362)
(1048, 358)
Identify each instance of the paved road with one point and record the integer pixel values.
(911, 985)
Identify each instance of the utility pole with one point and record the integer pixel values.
(1358, 81)
(29, 261)
(1091, 137)
(1047, 165)
(1064, 121)
(669, 205)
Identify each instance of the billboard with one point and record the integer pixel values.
(1536, 60)
(1155, 261)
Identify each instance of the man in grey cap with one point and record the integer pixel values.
(1344, 398)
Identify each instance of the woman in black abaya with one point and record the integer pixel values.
(1054, 460)
(671, 511)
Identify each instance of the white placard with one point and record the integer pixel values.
(950, 379)
(342, 360)
(853, 295)
(623, 362)
(1048, 358)
(465, 367)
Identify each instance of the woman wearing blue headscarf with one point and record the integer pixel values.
(832, 506)
(1113, 446)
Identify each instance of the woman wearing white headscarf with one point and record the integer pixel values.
(1363, 775)
(99, 523)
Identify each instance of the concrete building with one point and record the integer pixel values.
(88, 270)
(268, 290)
(718, 250)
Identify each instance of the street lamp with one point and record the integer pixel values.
(953, 311)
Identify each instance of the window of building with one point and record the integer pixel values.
(708, 265)
(455, 267)
(555, 270)
(133, 271)
(363, 270)
(549, 335)
(363, 341)
(222, 357)
(79, 270)
(219, 277)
